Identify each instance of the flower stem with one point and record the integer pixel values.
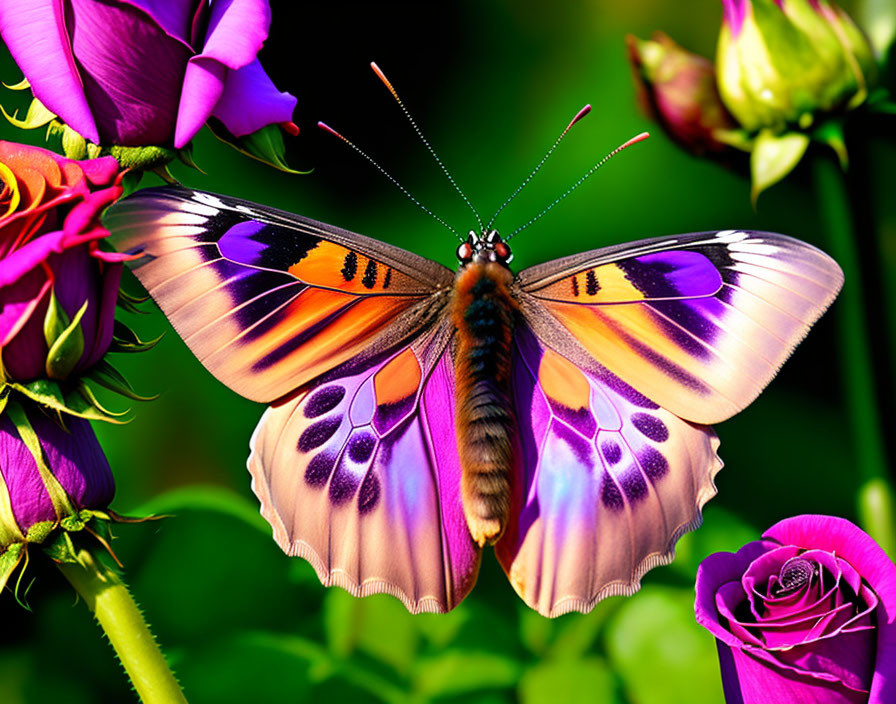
(121, 619)
(855, 356)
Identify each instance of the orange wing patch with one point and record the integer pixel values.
(335, 266)
(601, 284)
(398, 380)
(562, 382)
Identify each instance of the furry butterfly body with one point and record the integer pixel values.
(418, 414)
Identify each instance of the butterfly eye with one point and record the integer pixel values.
(465, 252)
(503, 252)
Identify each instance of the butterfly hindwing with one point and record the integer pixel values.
(268, 300)
(698, 323)
(607, 482)
(360, 476)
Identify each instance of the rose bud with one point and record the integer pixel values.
(49, 476)
(142, 73)
(807, 614)
(58, 290)
(780, 62)
(678, 89)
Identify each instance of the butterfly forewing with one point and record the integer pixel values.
(361, 477)
(697, 323)
(268, 300)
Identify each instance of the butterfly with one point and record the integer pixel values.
(419, 414)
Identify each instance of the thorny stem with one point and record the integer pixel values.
(876, 494)
(114, 607)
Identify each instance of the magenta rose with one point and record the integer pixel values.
(50, 229)
(807, 614)
(146, 72)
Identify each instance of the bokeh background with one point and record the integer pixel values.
(491, 84)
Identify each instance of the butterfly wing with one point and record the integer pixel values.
(697, 323)
(608, 482)
(268, 300)
(361, 477)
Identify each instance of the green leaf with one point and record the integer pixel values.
(202, 497)
(109, 377)
(577, 681)
(455, 672)
(62, 549)
(723, 531)
(67, 349)
(385, 614)
(342, 616)
(266, 145)
(773, 157)
(37, 116)
(662, 655)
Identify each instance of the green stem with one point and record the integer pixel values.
(875, 495)
(118, 614)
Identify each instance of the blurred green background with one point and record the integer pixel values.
(491, 84)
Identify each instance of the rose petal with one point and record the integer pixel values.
(108, 296)
(29, 498)
(133, 83)
(236, 31)
(858, 548)
(250, 101)
(748, 680)
(716, 570)
(174, 16)
(34, 32)
(17, 304)
(203, 86)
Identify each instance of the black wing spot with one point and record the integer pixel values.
(369, 279)
(350, 266)
(591, 285)
(388, 279)
(575, 286)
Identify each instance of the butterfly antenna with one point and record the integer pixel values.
(390, 177)
(382, 76)
(579, 115)
(634, 140)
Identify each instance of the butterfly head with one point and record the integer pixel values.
(487, 247)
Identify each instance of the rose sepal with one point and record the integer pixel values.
(75, 400)
(110, 378)
(125, 340)
(36, 116)
(265, 145)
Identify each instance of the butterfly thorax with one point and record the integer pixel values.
(483, 312)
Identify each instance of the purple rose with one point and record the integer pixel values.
(79, 473)
(146, 72)
(50, 226)
(807, 614)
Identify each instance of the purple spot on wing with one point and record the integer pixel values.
(580, 447)
(672, 274)
(652, 461)
(343, 486)
(323, 400)
(695, 316)
(255, 243)
(389, 414)
(651, 427)
(610, 495)
(369, 495)
(319, 469)
(237, 244)
(634, 486)
(361, 447)
(317, 434)
(580, 419)
(611, 451)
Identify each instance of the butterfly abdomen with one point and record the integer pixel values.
(483, 312)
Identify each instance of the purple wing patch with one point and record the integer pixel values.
(605, 487)
(356, 477)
